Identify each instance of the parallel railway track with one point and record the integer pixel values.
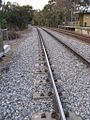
(46, 81)
(66, 45)
(59, 103)
(80, 37)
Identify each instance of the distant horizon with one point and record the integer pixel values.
(36, 4)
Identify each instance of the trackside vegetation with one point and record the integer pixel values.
(56, 12)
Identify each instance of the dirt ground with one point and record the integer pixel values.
(4, 61)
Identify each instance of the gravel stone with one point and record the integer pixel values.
(17, 82)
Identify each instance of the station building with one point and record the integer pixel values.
(82, 22)
(84, 19)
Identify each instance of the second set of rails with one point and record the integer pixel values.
(81, 37)
(67, 46)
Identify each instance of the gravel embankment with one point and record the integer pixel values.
(73, 75)
(80, 47)
(17, 83)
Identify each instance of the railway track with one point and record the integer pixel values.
(41, 70)
(71, 49)
(61, 115)
(80, 37)
(61, 111)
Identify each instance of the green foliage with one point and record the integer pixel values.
(14, 15)
(19, 16)
(49, 16)
(38, 18)
(4, 23)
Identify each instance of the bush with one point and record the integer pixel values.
(13, 35)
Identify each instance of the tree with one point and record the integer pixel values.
(14, 15)
(49, 16)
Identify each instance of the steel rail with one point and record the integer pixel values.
(82, 37)
(65, 44)
(61, 111)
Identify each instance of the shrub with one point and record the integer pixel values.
(13, 35)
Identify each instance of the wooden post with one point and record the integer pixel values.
(1, 44)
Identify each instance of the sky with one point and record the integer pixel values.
(36, 4)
